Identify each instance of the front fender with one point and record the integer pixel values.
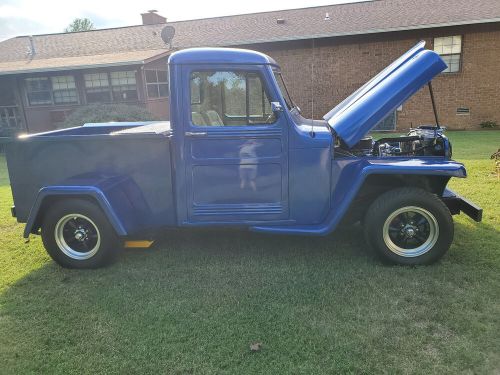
(348, 175)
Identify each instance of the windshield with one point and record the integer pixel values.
(284, 90)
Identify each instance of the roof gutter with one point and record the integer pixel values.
(88, 66)
(75, 67)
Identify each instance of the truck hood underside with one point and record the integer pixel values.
(361, 111)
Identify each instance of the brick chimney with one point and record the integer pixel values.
(152, 18)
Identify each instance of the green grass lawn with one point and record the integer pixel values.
(195, 301)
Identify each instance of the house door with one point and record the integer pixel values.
(235, 147)
(11, 120)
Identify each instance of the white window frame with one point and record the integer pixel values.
(450, 50)
(108, 81)
(63, 84)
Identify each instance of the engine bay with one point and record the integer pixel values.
(421, 141)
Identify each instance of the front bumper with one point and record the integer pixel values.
(457, 204)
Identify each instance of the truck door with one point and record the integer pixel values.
(235, 147)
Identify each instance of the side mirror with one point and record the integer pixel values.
(276, 107)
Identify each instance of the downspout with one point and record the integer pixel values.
(32, 51)
(312, 134)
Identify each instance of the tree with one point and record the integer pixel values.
(79, 24)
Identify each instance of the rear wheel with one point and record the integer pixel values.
(409, 226)
(77, 234)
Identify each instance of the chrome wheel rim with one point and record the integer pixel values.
(77, 236)
(410, 231)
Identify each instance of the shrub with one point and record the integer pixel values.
(488, 125)
(107, 113)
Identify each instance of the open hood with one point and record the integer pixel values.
(371, 103)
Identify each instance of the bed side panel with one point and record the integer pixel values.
(37, 163)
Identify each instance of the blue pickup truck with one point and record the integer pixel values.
(238, 153)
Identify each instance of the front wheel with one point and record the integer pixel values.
(409, 226)
(77, 234)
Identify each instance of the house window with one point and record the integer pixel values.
(10, 118)
(64, 90)
(388, 123)
(51, 90)
(97, 87)
(124, 86)
(157, 83)
(38, 90)
(450, 49)
(107, 87)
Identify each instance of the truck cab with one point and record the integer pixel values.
(243, 143)
(237, 152)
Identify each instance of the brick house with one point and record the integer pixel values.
(326, 52)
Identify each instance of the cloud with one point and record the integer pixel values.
(24, 17)
(10, 27)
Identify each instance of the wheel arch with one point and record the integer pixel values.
(48, 196)
(432, 183)
(376, 184)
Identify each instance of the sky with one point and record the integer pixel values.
(31, 17)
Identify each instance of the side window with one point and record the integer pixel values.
(258, 104)
(235, 91)
(229, 98)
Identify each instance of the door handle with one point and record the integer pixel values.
(195, 134)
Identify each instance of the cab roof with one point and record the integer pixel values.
(219, 56)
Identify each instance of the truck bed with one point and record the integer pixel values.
(139, 153)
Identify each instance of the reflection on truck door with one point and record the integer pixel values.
(235, 147)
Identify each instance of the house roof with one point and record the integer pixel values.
(114, 46)
(80, 62)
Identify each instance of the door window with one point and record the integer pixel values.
(229, 98)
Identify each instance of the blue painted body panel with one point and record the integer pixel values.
(130, 171)
(348, 177)
(235, 173)
(229, 56)
(360, 112)
(73, 191)
(275, 178)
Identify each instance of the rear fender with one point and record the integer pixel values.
(119, 198)
(47, 195)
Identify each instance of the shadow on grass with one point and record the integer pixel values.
(197, 299)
